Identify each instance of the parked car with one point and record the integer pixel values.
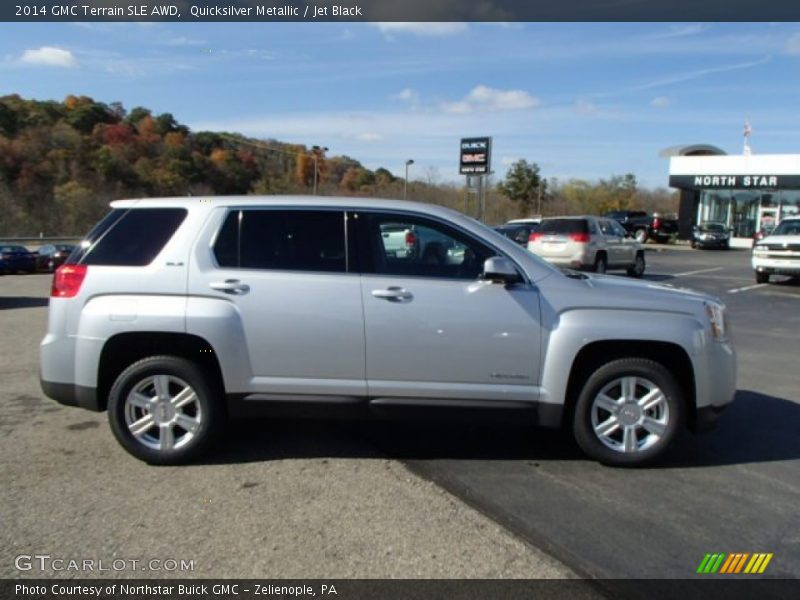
(643, 227)
(51, 256)
(779, 252)
(588, 242)
(519, 231)
(5, 268)
(18, 258)
(711, 234)
(175, 314)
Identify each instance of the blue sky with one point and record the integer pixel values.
(584, 100)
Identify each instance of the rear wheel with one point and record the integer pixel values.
(638, 266)
(628, 412)
(600, 263)
(163, 410)
(762, 277)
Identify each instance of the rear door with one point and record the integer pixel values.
(433, 330)
(612, 240)
(285, 272)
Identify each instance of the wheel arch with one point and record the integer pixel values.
(124, 349)
(591, 356)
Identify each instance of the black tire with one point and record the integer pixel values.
(641, 235)
(638, 267)
(693, 244)
(607, 374)
(600, 263)
(209, 410)
(762, 277)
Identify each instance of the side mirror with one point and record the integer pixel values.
(499, 269)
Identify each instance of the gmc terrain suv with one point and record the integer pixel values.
(176, 313)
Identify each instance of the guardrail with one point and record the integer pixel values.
(41, 241)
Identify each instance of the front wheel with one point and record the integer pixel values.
(163, 410)
(628, 412)
(640, 235)
(638, 266)
(762, 277)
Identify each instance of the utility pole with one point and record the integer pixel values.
(410, 161)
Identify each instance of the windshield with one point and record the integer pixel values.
(788, 228)
(712, 227)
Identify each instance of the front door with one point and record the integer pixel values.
(433, 329)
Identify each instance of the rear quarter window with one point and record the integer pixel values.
(129, 238)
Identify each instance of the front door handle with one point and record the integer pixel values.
(230, 286)
(393, 294)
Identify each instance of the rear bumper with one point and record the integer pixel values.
(71, 395)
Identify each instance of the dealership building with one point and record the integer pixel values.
(747, 192)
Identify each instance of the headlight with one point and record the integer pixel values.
(760, 250)
(717, 319)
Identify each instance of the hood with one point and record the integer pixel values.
(619, 292)
(780, 240)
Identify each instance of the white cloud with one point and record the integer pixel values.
(424, 29)
(485, 98)
(184, 41)
(793, 45)
(682, 31)
(369, 137)
(408, 95)
(660, 102)
(583, 107)
(49, 56)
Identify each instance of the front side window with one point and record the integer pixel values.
(284, 240)
(417, 247)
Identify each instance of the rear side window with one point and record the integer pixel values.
(129, 238)
(287, 240)
(565, 226)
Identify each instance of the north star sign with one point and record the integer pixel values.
(735, 181)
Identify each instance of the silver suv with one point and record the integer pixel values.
(588, 242)
(176, 313)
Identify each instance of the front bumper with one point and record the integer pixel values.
(777, 266)
(715, 382)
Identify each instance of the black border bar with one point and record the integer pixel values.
(394, 10)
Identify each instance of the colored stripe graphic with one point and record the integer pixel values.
(731, 564)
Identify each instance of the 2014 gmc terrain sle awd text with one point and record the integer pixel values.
(177, 313)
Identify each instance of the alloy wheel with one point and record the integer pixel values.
(630, 414)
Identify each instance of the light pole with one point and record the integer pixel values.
(410, 161)
(315, 152)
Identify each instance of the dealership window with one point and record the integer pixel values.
(745, 212)
(790, 203)
(714, 206)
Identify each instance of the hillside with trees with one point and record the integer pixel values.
(62, 162)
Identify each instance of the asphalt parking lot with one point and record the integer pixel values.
(734, 489)
(309, 499)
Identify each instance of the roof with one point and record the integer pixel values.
(285, 200)
(691, 150)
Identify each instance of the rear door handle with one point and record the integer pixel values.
(230, 286)
(393, 294)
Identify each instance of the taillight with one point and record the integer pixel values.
(579, 237)
(67, 280)
(656, 223)
(411, 239)
(535, 237)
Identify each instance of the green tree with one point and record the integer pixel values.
(523, 184)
